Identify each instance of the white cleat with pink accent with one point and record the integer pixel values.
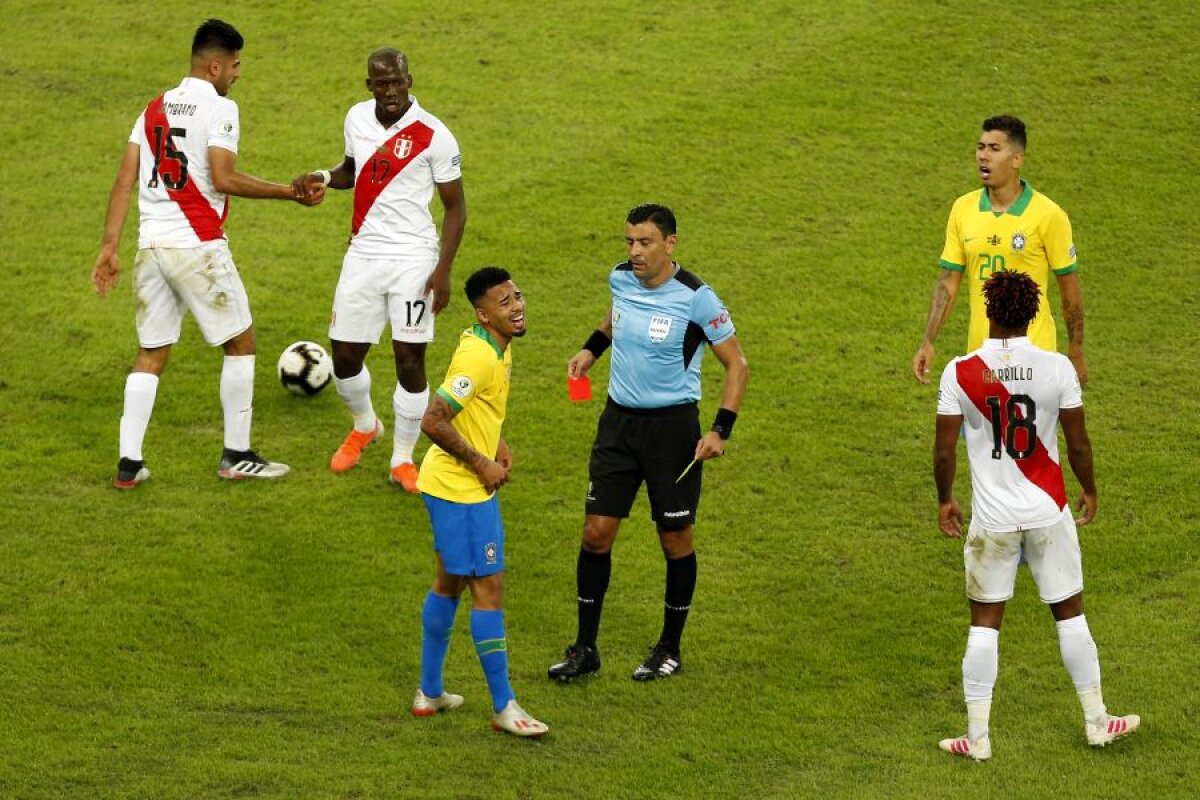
(1112, 729)
(979, 749)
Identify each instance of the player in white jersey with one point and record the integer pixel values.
(394, 271)
(182, 153)
(1011, 394)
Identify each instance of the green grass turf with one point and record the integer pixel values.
(196, 639)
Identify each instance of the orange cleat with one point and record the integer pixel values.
(405, 476)
(351, 450)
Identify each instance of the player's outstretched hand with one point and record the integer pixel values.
(1087, 508)
(580, 363)
(107, 271)
(710, 445)
(950, 519)
(308, 190)
(493, 474)
(922, 362)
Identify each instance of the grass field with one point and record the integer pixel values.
(195, 639)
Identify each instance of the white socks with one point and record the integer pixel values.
(237, 400)
(356, 394)
(409, 409)
(1083, 664)
(980, 664)
(140, 391)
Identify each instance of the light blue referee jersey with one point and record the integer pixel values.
(659, 336)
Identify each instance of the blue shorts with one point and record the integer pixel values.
(468, 536)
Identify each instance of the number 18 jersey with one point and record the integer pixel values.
(177, 204)
(1009, 393)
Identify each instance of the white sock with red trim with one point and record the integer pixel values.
(140, 390)
(356, 394)
(409, 408)
(237, 400)
(980, 665)
(1082, 661)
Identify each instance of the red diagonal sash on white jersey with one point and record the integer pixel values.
(194, 205)
(1039, 468)
(385, 164)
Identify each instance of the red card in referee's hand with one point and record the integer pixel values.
(579, 389)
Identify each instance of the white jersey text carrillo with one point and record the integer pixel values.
(1009, 393)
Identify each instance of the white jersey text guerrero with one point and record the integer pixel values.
(1009, 393)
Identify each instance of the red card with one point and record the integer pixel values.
(579, 389)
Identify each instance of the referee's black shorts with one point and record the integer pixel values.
(652, 445)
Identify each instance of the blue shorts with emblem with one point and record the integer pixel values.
(469, 536)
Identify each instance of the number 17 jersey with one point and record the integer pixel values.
(1009, 393)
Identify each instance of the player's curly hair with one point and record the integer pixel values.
(1011, 298)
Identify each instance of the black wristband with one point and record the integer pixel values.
(723, 422)
(597, 343)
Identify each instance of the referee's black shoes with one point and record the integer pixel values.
(662, 662)
(579, 661)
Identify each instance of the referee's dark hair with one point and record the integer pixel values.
(661, 216)
(483, 279)
(1011, 298)
(1014, 127)
(215, 34)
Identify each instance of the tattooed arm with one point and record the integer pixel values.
(436, 424)
(940, 306)
(1072, 306)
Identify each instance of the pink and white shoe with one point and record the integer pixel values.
(1112, 729)
(979, 749)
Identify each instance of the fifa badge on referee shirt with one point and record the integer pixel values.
(659, 328)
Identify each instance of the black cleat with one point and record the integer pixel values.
(661, 663)
(579, 661)
(130, 473)
(237, 465)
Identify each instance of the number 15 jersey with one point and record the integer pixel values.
(177, 204)
(1009, 393)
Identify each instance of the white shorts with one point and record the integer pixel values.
(991, 559)
(169, 282)
(372, 292)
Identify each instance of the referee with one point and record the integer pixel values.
(660, 318)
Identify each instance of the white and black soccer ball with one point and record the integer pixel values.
(305, 368)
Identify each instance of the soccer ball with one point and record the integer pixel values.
(305, 368)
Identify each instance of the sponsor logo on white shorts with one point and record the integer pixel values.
(461, 386)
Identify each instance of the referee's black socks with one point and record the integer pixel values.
(592, 572)
(677, 601)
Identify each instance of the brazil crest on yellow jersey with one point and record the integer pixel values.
(1033, 236)
(476, 387)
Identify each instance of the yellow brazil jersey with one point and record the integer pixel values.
(476, 387)
(1033, 236)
